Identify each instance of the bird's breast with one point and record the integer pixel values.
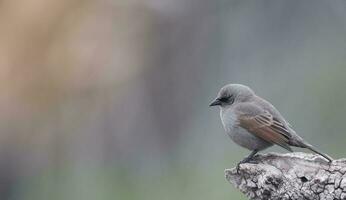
(240, 135)
(228, 119)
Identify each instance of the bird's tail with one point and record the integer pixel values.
(309, 146)
(312, 148)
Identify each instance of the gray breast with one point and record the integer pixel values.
(240, 135)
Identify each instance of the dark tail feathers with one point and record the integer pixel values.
(310, 147)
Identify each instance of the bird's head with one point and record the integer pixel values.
(232, 93)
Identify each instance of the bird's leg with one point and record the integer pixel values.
(247, 159)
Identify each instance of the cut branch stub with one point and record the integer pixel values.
(290, 176)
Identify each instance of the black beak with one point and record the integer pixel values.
(216, 102)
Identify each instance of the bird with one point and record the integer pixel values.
(254, 123)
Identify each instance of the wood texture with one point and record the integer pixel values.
(290, 176)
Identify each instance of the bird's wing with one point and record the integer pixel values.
(267, 127)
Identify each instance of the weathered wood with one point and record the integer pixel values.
(290, 176)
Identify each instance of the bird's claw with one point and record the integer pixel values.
(238, 165)
(246, 160)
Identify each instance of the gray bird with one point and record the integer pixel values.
(254, 123)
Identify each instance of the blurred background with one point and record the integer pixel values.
(108, 99)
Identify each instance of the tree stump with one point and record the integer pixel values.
(290, 176)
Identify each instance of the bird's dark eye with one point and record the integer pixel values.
(227, 99)
(224, 99)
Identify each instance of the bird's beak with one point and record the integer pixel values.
(216, 102)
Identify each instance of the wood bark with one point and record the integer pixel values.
(290, 176)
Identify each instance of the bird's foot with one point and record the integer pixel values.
(246, 160)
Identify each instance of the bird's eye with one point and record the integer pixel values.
(227, 99)
(224, 99)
